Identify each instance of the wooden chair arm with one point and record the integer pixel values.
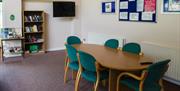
(143, 75)
(141, 53)
(119, 48)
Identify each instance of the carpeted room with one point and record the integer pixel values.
(45, 71)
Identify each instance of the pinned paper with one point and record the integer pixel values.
(123, 5)
(147, 16)
(108, 7)
(123, 15)
(134, 16)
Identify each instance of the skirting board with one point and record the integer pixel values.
(171, 80)
(56, 49)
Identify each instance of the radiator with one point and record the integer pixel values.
(159, 52)
(98, 38)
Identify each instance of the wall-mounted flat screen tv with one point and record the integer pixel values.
(63, 9)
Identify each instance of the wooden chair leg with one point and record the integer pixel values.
(65, 62)
(65, 73)
(96, 85)
(161, 84)
(77, 80)
(74, 74)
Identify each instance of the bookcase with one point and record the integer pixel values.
(34, 32)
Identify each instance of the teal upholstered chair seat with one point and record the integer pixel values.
(91, 76)
(131, 83)
(112, 43)
(74, 65)
(132, 48)
(149, 79)
(73, 40)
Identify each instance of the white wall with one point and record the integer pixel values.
(166, 32)
(57, 28)
(12, 7)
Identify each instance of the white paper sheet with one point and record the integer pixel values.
(174, 5)
(108, 7)
(147, 16)
(134, 16)
(123, 15)
(123, 5)
(140, 5)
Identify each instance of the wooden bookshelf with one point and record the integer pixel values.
(34, 31)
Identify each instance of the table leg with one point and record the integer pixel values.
(113, 79)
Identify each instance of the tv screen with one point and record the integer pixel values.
(63, 9)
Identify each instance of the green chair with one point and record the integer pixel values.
(132, 48)
(90, 70)
(70, 41)
(112, 43)
(72, 61)
(148, 81)
(73, 40)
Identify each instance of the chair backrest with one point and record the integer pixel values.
(73, 40)
(132, 48)
(72, 53)
(154, 73)
(87, 61)
(112, 43)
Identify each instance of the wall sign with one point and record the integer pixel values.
(108, 7)
(12, 17)
(171, 6)
(137, 10)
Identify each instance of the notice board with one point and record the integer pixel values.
(137, 10)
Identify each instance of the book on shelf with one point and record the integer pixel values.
(34, 28)
(33, 18)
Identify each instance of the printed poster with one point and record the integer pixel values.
(134, 16)
(123, 5)
(149, 5)
(123, 15)
(108, 7)
(174, 5)
(147, 16)
(140, 5)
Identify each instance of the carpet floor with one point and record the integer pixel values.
(43, 72)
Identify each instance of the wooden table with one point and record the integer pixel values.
(115, 60)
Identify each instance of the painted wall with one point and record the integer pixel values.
(57, 28)
(12, 7)
(164, 33)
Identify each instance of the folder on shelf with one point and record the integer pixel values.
(34, 28)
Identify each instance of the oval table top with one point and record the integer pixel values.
(113, 58)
